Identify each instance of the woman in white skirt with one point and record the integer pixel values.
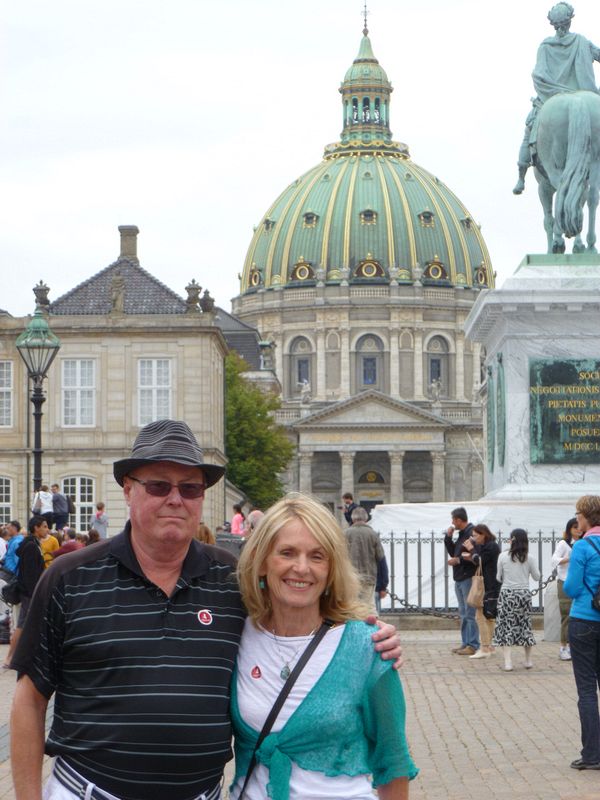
(513, 623)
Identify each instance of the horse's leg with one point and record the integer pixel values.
(592, 206)
(546, 193)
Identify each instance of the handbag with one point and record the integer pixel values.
(37, 504)
(477, 590)
(10, 592)
(490, 605)
(302, 661)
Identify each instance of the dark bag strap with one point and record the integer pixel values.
(281, 698)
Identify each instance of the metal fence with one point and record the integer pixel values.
(420, 575)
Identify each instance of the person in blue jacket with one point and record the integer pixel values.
(582, 582)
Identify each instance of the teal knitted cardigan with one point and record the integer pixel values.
(350, 723)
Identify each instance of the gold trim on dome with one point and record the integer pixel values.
(293, 221)
(348, 220)
(388, 211)
(329, 213)
(412, 245)
(443, 224)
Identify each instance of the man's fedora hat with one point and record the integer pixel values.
(167, 440)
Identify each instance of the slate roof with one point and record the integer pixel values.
(144, 294)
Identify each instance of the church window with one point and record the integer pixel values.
(354, 110)
(427, 219)
(366, 110)
(5, 500)
(154, 390)
(300, 365)
(269, 224)
(377, 111)
(438, 367)
(78, 392)
(6, 393)
(303, 367)
(369, 368)
(310, 219)
(368, 217)
(82, 490)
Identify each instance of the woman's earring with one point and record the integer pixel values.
(262, 583)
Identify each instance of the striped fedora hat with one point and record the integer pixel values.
(166, 440)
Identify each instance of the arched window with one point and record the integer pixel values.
(437, 366)
(81, 490)
(301, 366)
(369, 363)
(5, 500)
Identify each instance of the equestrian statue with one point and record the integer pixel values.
(562, 134)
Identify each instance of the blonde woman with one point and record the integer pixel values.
(343, 720)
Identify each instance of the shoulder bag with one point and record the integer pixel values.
(311, 647)
(477, 590)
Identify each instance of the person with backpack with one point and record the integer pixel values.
(583, 585)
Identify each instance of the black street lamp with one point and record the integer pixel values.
(37, 346)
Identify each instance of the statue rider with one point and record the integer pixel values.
(565, 63)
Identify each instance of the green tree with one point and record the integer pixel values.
(257, 448)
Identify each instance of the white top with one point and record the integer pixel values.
(46, 500)
(514, 574)
(2, 549)
(562, 551)
(260, 660)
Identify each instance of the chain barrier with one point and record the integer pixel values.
(430, 612)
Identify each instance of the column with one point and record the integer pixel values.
(418, 365)
(439, 478)
(345, 365)
(305, 472)
(460, 366)
(396, 477)
(320, 393)
(394, 364)
(347, 460)
(476, 470)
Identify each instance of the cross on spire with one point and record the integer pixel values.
(365, 13)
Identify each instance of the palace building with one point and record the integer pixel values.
(361, 274)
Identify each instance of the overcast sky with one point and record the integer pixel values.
(188, 117)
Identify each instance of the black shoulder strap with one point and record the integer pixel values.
(287, 686)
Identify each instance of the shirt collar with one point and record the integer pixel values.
(195, 564)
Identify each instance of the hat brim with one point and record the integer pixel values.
(212, 472)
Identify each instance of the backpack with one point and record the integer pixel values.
(596, 594)
(70, 504)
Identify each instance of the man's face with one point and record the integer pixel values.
(459, 524)
(163, 521)
(41, 530)
(562, 28)
(12, 530)
(54, 489)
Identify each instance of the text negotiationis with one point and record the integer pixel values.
(564, 404)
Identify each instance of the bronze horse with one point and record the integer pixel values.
(567, 162)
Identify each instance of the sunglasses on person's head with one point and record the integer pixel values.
(189, 491)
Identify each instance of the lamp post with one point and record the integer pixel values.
(37, 346)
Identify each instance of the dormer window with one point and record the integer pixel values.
(368, 217)
(310, 220)
(269, 224)
(303, 270)
(427, 219)
(481, 278)
(435, 270)
(255, 278)
(369, 268)
(467, 222)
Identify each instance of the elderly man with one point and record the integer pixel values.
(565, 63)
(136, 637)
(365, 552)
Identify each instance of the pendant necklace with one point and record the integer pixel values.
(285, 670)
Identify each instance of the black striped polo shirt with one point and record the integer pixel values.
(141, 680)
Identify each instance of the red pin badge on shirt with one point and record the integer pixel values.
(205, 617)
(256, 673)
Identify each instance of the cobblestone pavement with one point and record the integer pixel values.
(476, 732)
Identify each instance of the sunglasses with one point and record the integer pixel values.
(188, 491)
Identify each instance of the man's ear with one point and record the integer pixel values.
(127, 484)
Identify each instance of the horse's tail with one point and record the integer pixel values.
(569, 197)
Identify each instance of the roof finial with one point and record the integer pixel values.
(365, 14)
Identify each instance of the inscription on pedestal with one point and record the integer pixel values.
(564, 403)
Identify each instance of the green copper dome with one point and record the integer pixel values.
(367, 213)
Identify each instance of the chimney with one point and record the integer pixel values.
(129, 241)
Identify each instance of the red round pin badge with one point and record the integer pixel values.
(205, 617)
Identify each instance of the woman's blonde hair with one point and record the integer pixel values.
(340, 600)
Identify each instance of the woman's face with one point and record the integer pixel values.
(478, 537)
(296, 570)
(576, 532)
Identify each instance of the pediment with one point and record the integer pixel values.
(372, 409)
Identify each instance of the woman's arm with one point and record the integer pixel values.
(394, 790)
(573, 584)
